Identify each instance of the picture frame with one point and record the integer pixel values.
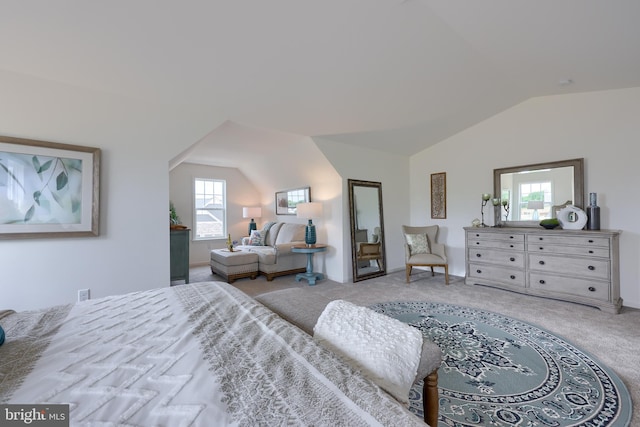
(48, 189)
(439, 195)
(286, 200)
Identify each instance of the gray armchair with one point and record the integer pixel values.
(422, 250)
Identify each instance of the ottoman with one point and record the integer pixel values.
(234, 265)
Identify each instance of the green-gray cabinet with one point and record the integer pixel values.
(179, 253)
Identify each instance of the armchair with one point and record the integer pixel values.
(422, 250)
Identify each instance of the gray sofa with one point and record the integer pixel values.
(274, 254)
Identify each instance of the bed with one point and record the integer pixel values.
(192, 355)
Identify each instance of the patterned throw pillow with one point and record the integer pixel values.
(256, 238)
(418, 244)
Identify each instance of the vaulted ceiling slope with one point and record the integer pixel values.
(396, 75)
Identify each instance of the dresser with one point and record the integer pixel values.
(179, 254)
(571, 265)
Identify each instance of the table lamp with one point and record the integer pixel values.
(309, 211)
(251, 213)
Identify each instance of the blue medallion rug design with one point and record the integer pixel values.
(499, 371)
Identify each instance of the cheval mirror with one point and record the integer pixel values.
(367, 229)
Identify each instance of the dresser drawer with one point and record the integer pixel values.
(497, 244)
(507, 237)
(585, 241)
(492, 273)
(569, 285)
(581, 267)
(569, 250)
(511, 259)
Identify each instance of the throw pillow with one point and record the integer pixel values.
(1, 335)
(256, 238)
(386, 350)
(418, 243)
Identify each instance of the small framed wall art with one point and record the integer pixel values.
(439, 195)
(48, 189)
(287, 200)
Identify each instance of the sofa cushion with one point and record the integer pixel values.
(272, 233)
(290, 233)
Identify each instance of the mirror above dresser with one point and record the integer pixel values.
(536, 191)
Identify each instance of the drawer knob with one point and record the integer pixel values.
(590, 252)
(512, 259)
(478, 271)
(478, 255)
(542, 282)
(511, 237)
(591, 267)
(592, 289)
(477, 243)
(541, 262)
(540, 238)
(590, 241)
(541, 248)
(512, 277)
(510, 246)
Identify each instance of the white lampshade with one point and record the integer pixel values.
(535, 204)
(251, 212)
(309, 210)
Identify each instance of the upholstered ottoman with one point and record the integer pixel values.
(302, 309)
(234, 265)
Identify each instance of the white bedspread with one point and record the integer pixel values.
(202, 355)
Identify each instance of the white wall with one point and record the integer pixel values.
(372, 165)
(240, 193)
(132, 251)
(602, 127)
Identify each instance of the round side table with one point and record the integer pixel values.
(309, 275)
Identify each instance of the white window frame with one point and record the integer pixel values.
(220, 210)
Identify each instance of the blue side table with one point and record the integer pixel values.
(309, 275)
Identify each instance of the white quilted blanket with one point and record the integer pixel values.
(192, 355)
(385, 349)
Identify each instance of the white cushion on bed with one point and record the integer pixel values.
(386, 350)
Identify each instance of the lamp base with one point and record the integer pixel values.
(252, 226)
(310, 234)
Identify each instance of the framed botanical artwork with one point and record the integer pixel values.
(48, 189)
(287, 200)
(439, 195)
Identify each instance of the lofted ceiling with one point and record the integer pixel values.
(394, 75)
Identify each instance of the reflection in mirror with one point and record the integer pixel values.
(531, 193)
(367, 229)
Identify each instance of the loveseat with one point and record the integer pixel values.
(273, 245)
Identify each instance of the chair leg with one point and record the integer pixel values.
(408, 272)
(446, 274)
(432, 272)
(430, 404)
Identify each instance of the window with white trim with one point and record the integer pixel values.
(210, 209)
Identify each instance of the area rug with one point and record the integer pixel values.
(499, 371)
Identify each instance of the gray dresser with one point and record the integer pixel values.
(571, 265)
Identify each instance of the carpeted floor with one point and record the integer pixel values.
(612, 339)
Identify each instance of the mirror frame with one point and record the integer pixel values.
(578, 186)
(352, 184)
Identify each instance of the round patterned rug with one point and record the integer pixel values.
(499, 371)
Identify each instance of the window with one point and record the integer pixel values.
(531, 192)
(210, 203)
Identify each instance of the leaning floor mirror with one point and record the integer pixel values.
(367, 229)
